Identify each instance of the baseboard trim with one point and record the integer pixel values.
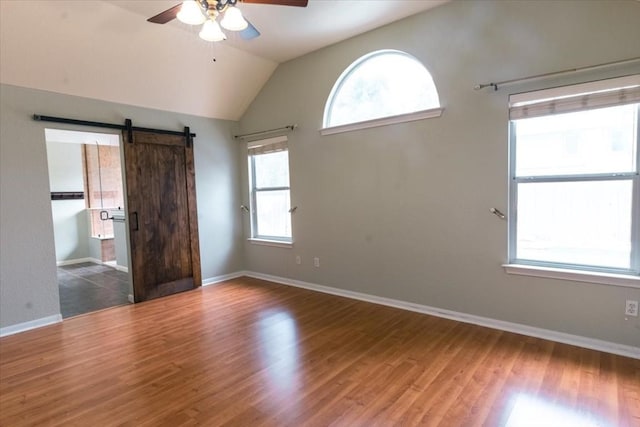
(32, 324)
(120, 268)
(92, 260)
(218, 279)
(77, 261)
(547, 334)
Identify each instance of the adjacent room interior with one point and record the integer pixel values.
(291, 212)
(87, 210)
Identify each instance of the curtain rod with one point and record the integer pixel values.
(265, 132)
(496, 85)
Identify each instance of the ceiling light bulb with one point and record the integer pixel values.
(233, 20)
(212, 32)
(191, 13)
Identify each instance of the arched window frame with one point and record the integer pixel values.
(381, 121)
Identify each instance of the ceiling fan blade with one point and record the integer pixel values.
(166, 16)
(298, 3)
(250, 32)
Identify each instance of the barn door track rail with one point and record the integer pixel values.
(128, 126)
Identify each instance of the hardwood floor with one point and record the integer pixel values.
(254, 353)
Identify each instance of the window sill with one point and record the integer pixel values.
(383, 121)
(276, 243)
(623, 280)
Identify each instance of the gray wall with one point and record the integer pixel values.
(28, 289)
(70, 220)
(402, 211)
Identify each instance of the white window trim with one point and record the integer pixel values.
(623, 280)
(277, 143)
(265, 242)
(383, 121)
(548, 270)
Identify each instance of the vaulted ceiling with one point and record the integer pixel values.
(106, 50)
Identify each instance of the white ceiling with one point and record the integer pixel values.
(289, 32)
(105, 49)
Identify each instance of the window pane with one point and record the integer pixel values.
(272, 170)
(586, 142)
(273, 217)
(382, 85)
(586, 223)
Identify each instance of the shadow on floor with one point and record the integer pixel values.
(89, 287)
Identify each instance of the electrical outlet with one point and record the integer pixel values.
(298, 260)
(316, 262)
(631, 308)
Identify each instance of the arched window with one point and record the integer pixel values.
(378, 86)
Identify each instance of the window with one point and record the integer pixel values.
(575, 189)
(269, 186)
(382, 84)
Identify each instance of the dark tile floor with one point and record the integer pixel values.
(89, 287)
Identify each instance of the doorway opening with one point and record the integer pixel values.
(89, 220)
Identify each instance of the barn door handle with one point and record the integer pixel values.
(137, 227)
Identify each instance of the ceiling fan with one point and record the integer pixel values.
(205, 12)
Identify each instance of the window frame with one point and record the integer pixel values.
(589, 273)
(378, 121)
(254, 190)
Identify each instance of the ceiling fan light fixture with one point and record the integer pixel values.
(191, 13)
(212, 32)
(233, 19)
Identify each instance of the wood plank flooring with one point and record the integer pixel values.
(253, 353)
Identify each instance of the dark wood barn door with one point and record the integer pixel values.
(163, 223)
